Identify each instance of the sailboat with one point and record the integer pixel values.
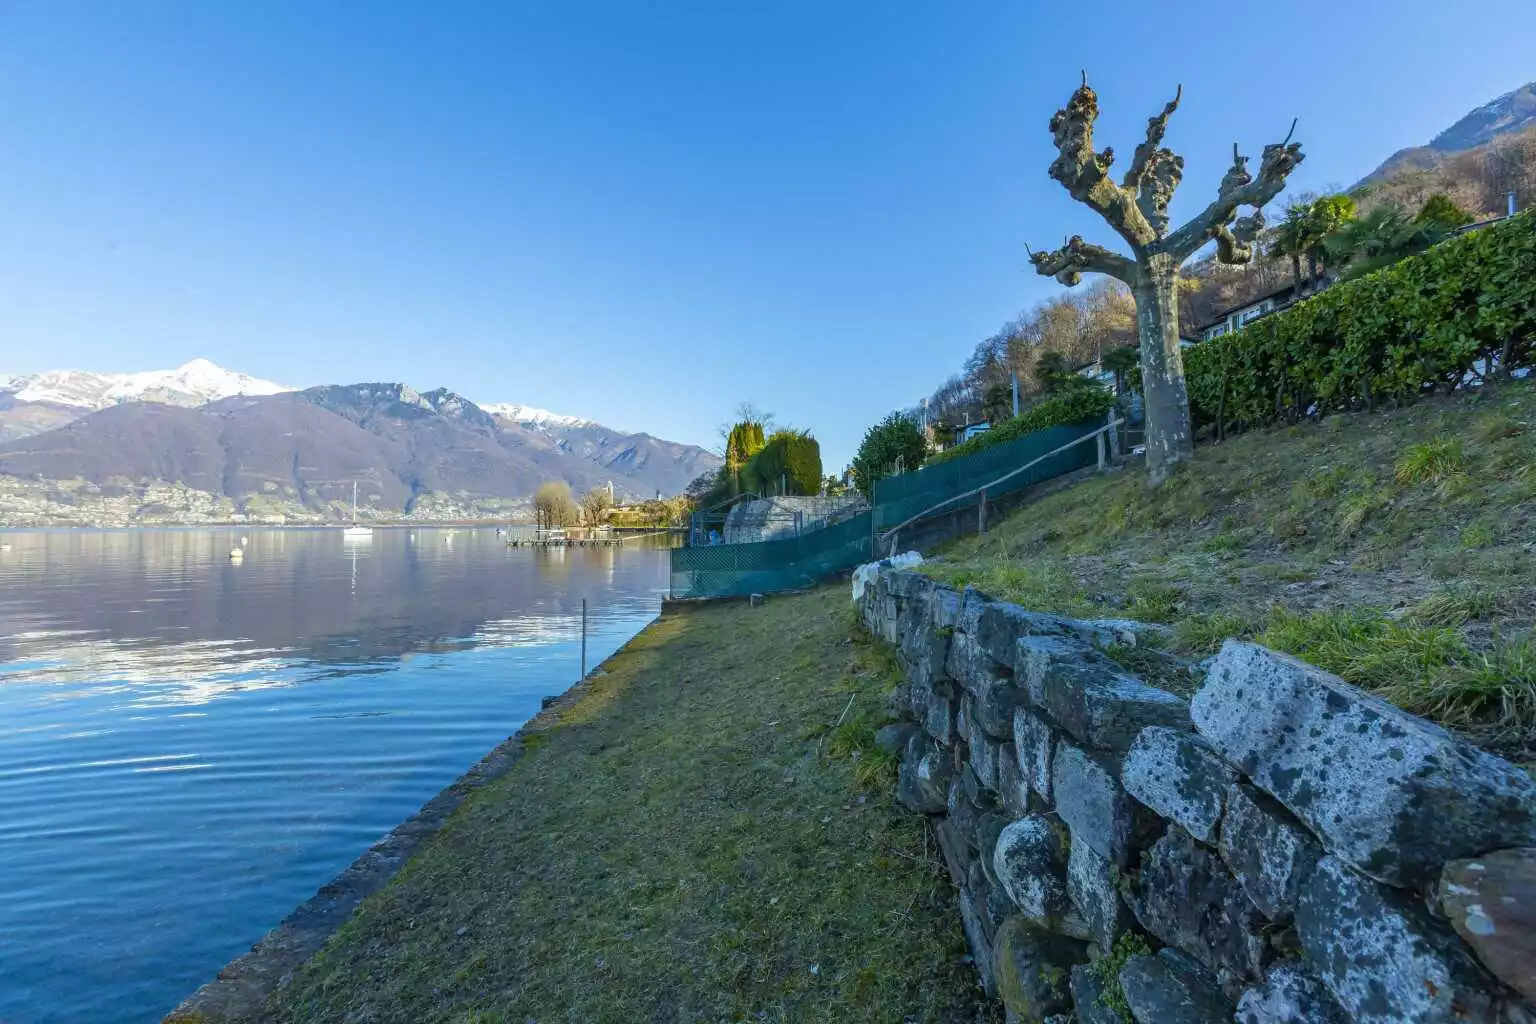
(355, 530)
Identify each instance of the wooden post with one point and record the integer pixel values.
(1101, 451)
(981, 514)
(583, 638)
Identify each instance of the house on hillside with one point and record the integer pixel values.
(1238, 317)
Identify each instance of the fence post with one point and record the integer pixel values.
(1101, 451)
(981, 514)
(583, 638)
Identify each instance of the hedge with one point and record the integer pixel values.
(788, 454)
(1421, 323)
(1078, 404)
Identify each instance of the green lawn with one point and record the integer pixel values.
(707, 835)
(1394, 548)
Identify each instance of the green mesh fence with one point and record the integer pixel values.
(735, 570)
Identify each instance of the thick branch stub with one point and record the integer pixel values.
(1238, 188)
(1068, 263)
(1157, 126)
(1085, 173)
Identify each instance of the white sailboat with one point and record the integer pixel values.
(356, 531)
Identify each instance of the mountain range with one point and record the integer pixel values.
(1512, 112)
(201, 443)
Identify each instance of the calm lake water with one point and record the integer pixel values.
(190, 747)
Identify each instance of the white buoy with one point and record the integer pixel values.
(244, 540)
(236, 554)
(5, 547)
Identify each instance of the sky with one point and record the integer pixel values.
(643, 213)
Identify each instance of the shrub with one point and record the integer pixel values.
(1072, 405)
(788, 463)
(894, 440)
(1423, 322)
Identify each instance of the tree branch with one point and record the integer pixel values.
(1085, 173)
(1156, 127)
(1238, 188)
(1068, 263)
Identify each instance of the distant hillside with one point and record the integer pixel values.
(1512, 112)
(300, 451)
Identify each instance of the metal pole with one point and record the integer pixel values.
(583, 638)
(1015, 377)
(981, 514)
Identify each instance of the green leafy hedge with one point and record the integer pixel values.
(1074, 405)
(1421, 323)
(789, 455)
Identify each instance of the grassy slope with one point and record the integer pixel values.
(1394, 548)
(694, 841)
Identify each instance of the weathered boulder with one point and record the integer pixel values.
(1089, 998)
(1179, 776)
(1034, 743)
(1090, 696)
(1391, 794)
(1170, 988)
(924, 647)
(1187, 899)
(986, 754)
(1383, 957)
(989, 828)
(923, 778)
(992, 709)
(1289, 994)
(991, 902)
(963, 814)
(971, 666)
(906, 585)
(1011, 786)
(985, 799)
(1000, 625)
(957, 853)
(1090, 799)
(972, 601)
(893, 738)
(1030, 863)
(1491, 902)
(1094, 890)
(944, 608)
(938, 711)
(971, 916)
(1267, 850)
(1130, 632)
(1032, 967)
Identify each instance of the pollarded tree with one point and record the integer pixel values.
(1137, 208)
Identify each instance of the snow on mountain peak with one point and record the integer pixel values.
(191, 384)
(530, 414)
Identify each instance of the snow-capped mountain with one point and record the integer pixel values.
(191, 384)
(1511, 112)
(530, 415)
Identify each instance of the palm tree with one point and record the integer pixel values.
(1291, 237)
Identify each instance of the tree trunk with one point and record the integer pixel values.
(1169, 438)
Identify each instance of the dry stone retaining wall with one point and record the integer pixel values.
(1283, 848)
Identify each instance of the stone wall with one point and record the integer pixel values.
(1282, 848)
(752, 522)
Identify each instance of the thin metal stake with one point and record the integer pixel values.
(583, 638)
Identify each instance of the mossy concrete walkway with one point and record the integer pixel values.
(705, 834)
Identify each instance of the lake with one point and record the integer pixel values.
(190, 746)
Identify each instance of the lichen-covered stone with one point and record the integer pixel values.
(944, 608)
(1108, 709)
(992, 709)
(1036, 659)
(892, 739)
(991, 902)
(1032, 968)
(1391, 794)
(1001, 624)
(1179, 776)
(924, 647)
(1491, 902)
(923, 778)
(1090, 799)
(1034, 743)
(1011, 786)
(957, 853)
(1289, 994)
(1093, 888)
(971, 918)
(989, 828)
(1030, 863)
(1383, 957)
(1089, 998)
(1187, 899)
(963, 814)
(972, 601)
(1267, 850)
(1131, 632)
(971, 666)
(906, 585)
(1170, 988)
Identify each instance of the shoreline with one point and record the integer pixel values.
(240, 990)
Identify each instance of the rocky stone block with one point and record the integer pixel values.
(924, 778)
(939, 711)
(1289, 994)
(1179, 776)
(1089, 998)
(958, 855)
(1491, 902)
(1011, 786)
(905, 585)
(972, 601)
(944, 608)
(1170, 988)
(1037, 658)
(1391, 794)
(971, 667)
(1383, 957)
(991, 902)
(986, 755)
(1032, 968)
(1187, 899)
(1103, 707)
(924, 650)
(971, 917)
(893, 738)
(1030, 862)
(1094, 890)
(1090, 799)
(992, 709)
(963, 814)
(989, 829)
(985, 799)
(1129, 632)
(1034, 744)
(1267, 850)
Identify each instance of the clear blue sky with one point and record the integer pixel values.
(636, 211)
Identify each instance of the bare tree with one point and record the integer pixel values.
(594, 507)
(553, 505)
(1137, 208)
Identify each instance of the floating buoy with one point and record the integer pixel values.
(244, 540)
(236, 554)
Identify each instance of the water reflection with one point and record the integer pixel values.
(190, 744)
